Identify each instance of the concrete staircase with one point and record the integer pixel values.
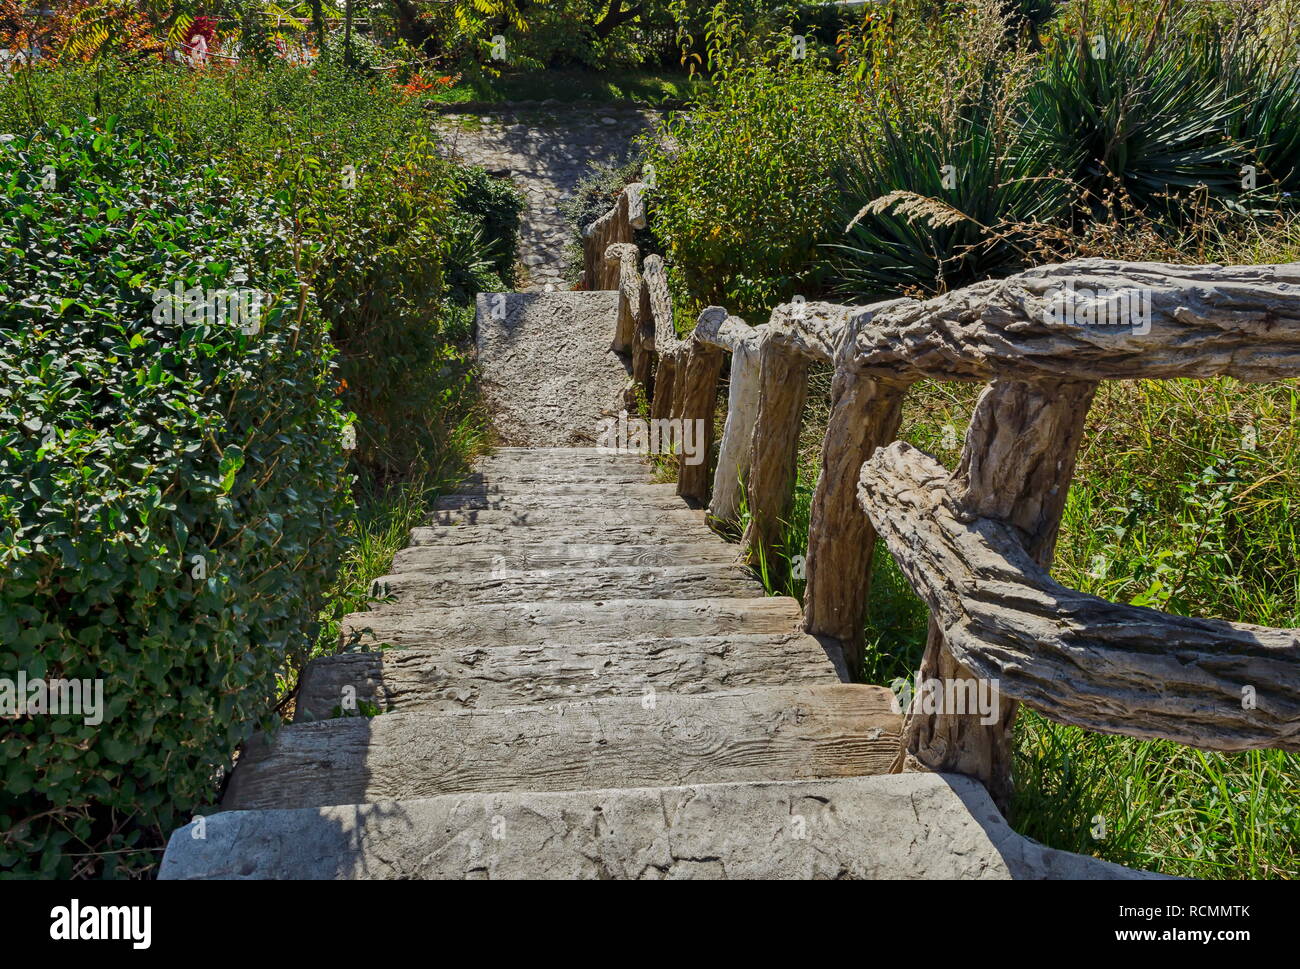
(579, 683)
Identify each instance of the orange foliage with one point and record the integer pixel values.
(132, 30)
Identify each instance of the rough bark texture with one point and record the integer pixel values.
(699, 395)
(737, 433)
(665, 381)
(865, 414)
(1016, 467)
(612, 227)
(1204, 321)
(812, 330)
(449, 678)
(636, 212)
(639, 740)
(620, 261)
(643, 346)
(735, 336)
(1077, 658)
(783, 385)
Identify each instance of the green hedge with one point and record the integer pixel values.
(392, 261)
(131, 442)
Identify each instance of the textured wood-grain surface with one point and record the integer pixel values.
(432, 588)
(1203, 321)
(579, 531)
(459, 559)
(454, 677)
(783, 386)
(644, 740)
(572, 622)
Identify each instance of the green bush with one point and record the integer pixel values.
(390, 260)
(949, 212)
(485, 232)
(131, 442)
(1142, 120)
(747, 193)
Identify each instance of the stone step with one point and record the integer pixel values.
(556, 451)
(558, 457)
(570, 503)
(457, 559)
(560, 516)
(646, 740)
(579, 491)
(895, 826)
(544, 481)
(520, 623)
(427, 590)
(579, 531)
(447, 679)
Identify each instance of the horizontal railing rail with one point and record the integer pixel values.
(976, 543)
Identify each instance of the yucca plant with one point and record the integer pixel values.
(1138, 117)
(928, 211)
(1268, 122)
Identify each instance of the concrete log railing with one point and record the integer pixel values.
(977, 543)
(617, 225)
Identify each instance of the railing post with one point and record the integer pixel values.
(865, 414)
(783, 385)
(738, 432)
(665, 383)
(1016, 467)
(697, 394)
(657, 314)
(643, 342)
(620, 265)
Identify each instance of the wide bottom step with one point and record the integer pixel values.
(884, 826)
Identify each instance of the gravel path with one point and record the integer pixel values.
(545, 151)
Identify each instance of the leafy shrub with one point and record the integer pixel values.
(381, 257)
(485, 231)
(130, 444)
(742, 200)
(936, 214)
